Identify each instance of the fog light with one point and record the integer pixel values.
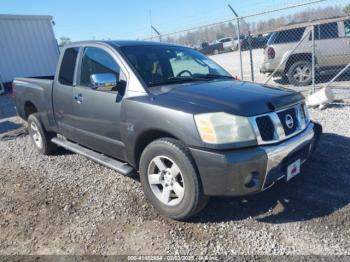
(252, 179)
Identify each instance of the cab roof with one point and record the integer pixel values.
(123, 43)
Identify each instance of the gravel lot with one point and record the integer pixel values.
(66, 204)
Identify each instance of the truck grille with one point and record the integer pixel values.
(266, 128)
(278, 126)
(291, 115)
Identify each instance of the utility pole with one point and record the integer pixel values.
(238, 39)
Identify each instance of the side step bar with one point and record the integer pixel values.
(120, 167)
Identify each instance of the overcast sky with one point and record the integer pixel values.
(130, 19)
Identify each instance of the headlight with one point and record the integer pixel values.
(307, 114)
(223, 128)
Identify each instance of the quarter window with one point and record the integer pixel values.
(326, 31)
(66, 74)
(98, 61)
(289, 36)
(347, 28)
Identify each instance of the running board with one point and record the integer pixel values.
(120, 167)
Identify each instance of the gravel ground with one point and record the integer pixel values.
(66, 204)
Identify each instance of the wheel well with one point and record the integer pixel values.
(297, 57)
(29, 108)
(145, 139)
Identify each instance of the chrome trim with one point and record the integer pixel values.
(279, 133)
(276, 154)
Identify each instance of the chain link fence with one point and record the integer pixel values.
(305, 46)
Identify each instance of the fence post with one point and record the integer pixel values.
(239, 48)
(239, 40)
(2, 88)
(251, 57)
(313, 60)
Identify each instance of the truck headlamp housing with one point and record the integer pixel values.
(223, 128)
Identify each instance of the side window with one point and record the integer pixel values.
(289, 36)
(326, 31)
(98, 61)
(66, 74)
(347, 28)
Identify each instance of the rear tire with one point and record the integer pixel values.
(166, 166)
(300, 73)
(41, 139)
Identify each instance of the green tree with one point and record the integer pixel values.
(64, 40)
(347, 9)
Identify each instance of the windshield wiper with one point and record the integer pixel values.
(213, 76)
(176, 80)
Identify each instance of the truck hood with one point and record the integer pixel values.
(236, 97)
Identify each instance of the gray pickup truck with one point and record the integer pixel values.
(171, 114)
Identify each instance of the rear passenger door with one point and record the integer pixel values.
(329, 50)
(63, 93)
(97, 112)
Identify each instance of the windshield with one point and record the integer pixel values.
(159, 65)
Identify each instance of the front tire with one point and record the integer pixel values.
(170, 181)
(300, 73)
(41, 139)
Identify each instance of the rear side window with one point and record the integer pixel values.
(66, 74)
(347, 28)
(326, 31)
(225, 40)
(288, 36)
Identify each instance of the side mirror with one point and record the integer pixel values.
(104, 81)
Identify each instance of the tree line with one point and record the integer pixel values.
(212, 33)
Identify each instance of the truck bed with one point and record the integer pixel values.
(37, 90)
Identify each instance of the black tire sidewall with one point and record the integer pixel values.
(290, 74)
(190, 202)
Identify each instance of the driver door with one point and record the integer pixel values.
(97, 111)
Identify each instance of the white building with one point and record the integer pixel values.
(28, 47)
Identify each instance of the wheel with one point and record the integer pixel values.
(41, 139)
(170, 181)
(300, 73)
(216, 52)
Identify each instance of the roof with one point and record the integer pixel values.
(306, 23)
(25, 17)
(122, 43)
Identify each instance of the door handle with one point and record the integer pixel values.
(79, 98)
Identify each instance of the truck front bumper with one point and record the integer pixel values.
(251, 170)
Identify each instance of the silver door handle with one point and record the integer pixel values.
(79, 98)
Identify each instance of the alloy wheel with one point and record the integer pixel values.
(166, 180)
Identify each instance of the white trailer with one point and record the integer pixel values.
(28, 47)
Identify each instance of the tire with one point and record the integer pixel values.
(300, 73)
(40, 138)
(175, 205)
